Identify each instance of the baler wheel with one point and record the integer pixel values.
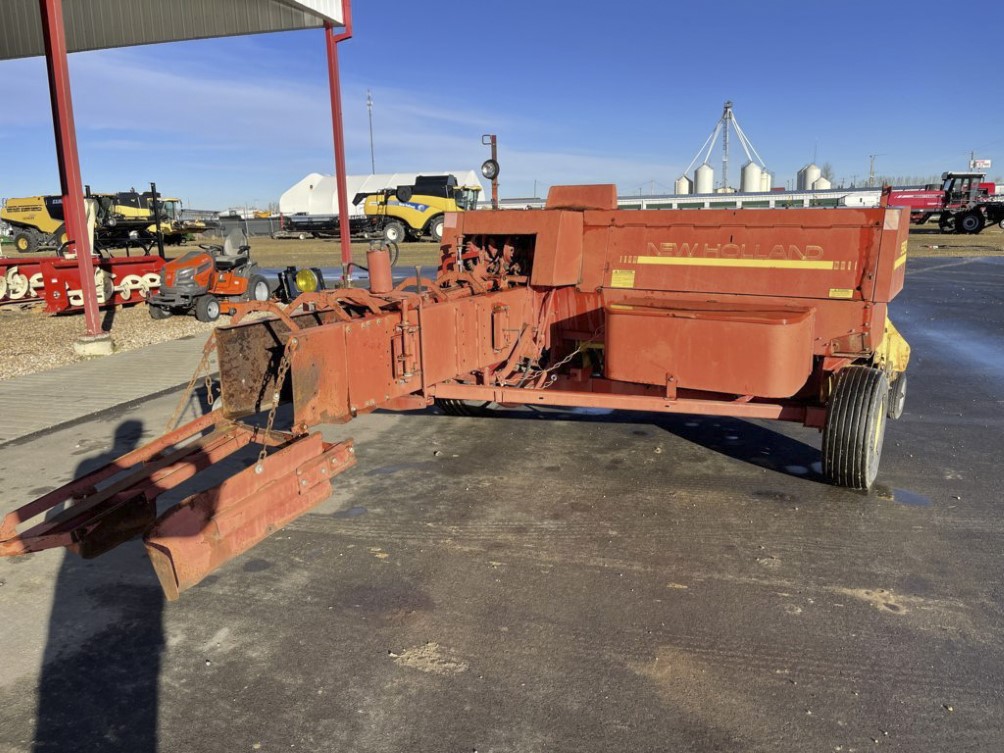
(158, 312)
(897, 396)
(465, 408)
(855, 427)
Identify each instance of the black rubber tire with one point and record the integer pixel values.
(1001, 224)
(25, 242)
(393, 232)
(436, 228)
(257, 289)
(971, 223)
(207, 308)
(464, 408)
(897, 396)
(158, 312)
(855, 427)
(946, 223)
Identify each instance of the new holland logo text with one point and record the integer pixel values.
(736, 251)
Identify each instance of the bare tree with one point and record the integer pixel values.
(827, 171)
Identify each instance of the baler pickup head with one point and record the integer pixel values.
(195, 536)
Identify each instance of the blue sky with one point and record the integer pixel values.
(576, 91)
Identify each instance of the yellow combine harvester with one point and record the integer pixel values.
(410, 212)
(36, 222)
(123, 219)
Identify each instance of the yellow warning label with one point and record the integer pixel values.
(902, 248)
(622, 278)
(841, 293)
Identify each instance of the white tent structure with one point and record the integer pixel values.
(317, 194)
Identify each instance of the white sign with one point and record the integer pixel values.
(980, 164)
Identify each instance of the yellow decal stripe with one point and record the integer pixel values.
(691, 261)
(899, 262)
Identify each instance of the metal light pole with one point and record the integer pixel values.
(369, 107)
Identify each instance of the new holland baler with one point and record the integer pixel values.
(759, 314)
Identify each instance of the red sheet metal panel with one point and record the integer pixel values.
(198, 535)
(797, 253)
(735, 348)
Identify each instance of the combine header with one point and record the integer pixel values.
(765, 314)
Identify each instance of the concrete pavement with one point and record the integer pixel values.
(570, 583)
(37, 403)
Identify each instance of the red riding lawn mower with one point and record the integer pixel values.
(199, 280)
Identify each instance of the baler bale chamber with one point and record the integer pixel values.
(757, 314)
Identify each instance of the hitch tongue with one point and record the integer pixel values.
(202, 532)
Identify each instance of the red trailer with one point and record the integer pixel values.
(773, 314)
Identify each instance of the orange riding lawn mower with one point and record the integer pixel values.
(198, 281)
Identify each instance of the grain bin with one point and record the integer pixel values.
(704, 179)
(821, 184)
(810, 174)
(751, 177)
(683, 185)
(766, 181)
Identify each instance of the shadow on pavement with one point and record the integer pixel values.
(99, 681)
(735, 438)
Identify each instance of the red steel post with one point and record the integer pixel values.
(53, 32)
(335, 90)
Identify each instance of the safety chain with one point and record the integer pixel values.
(581, 349)
(280, 378)
(207, 352)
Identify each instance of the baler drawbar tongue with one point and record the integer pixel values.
(194, 537)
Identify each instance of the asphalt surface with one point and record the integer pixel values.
(565, 582)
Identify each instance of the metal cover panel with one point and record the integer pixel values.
(732, 348)
(99, 24)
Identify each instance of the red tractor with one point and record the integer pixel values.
(963, 203)
(199, 280)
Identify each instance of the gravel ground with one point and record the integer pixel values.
(37, 342)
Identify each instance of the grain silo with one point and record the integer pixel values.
(766, 181)
(704, 179)
(683, 185)
(810, 174)
(821, 184)
(752, 175)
